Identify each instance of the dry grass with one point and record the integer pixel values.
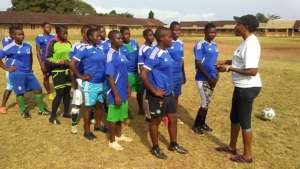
(37, 144)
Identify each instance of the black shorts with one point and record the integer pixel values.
(160, 106)
(242, 101)
(61, 78)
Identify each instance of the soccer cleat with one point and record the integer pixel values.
(115, 145)
(44, 113)
(198, 130)
(51, 96)
(124, 138)
(93, 121)
(179, 121)
(74, 129)
(102, 128)
(89, 135)
(207, 128)
(54, 121)
(26, 116)
(3, 110)
(158, 153)
(179, 149)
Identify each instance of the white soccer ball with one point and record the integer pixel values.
(268, 113)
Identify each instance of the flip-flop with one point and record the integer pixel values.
(3, 110)
(226, 149)
(240, 159)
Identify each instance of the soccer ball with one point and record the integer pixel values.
(268, 113)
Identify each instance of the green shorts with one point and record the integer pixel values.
(117, 113)
(135, 83)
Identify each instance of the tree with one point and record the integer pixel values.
(261, 18)
(66, 6)
(273, 16)
(115, 13)
(151, 15)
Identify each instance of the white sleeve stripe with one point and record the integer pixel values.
(154, 53)
(76, 58)
(10, 45)
(109, 55)
(147, 67)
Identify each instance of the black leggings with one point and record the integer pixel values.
(61, 94)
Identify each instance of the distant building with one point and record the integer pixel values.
(31, 22)
(279, 27)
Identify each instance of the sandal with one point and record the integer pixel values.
(226, 149)
(240, 159)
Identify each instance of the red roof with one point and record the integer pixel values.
(54, 18)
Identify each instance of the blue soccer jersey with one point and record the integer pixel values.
(207, 53)
(105, 46)
(42, 41)
(6, 40)
(144, 51)
(93, 62)
(75, 48)
(177, 54)
(131, 51)
(19, 56)
(159, 63)
(116, 67)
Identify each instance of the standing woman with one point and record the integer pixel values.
(206, 55)
(117, 78)
(247, 85)
(177, 54)
(19, 65)
(93, 76)
(41, 44)
(5, 41)
(58, 58)
(157, 78)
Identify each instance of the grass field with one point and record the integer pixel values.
(37, 144)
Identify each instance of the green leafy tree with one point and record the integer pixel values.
(66, 6)
(151, 15)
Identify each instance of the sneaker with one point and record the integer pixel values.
(93, 121)
(124, 138)
(54, 121)
(3, 110)
(207, 128)
(179, 149)
(179, 121)
(101, 128)
(51, 96)
(26, 116)
(89, 136)
(158, 153)
(44, 113)
(74, 129)
(198, 130)
(115, 145)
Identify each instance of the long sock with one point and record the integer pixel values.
(56, 102)
(39, 100)
(198, 119)
(21, 102)
(75, 115)
(67, 100)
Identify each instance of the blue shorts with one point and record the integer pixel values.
(9, 86)
(23, 82)
(93, 93)
(177, 83)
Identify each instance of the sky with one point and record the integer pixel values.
(194, 10)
